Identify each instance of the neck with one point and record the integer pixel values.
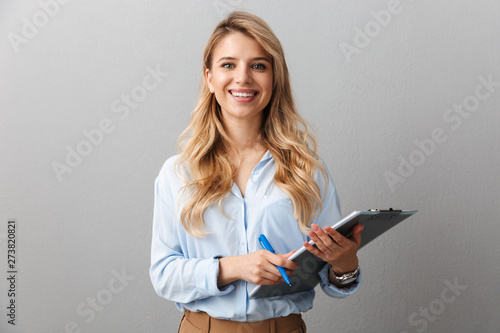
(244, 134)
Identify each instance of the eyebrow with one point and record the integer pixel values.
(253, 59)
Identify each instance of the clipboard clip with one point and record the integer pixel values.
(385, 210)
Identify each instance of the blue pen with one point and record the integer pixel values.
(266, 245)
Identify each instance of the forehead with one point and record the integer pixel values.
(239, 46)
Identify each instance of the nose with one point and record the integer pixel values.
(243, 75)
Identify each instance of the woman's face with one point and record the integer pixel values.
(241, 77)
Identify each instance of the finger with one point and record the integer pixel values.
(264, 271)
(277, 277)
(267, 267)
(279, 260)
(321, 239)
(315, 251)
(325, 238)
(317, 241)
(263, 275)
(286, 255)
(271, 281)
(288, 264)
(271, 273)
(336, 236)
(356, 234)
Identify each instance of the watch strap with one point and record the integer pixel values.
(346, 278)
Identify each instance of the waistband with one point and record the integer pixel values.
(203, 321)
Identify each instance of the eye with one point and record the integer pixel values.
(259, 66)
(227, 65)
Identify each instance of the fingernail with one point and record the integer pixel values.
(315, 227)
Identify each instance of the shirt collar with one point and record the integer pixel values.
(263, 161)
(267, 156)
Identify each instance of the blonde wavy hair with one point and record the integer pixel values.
(204, 144)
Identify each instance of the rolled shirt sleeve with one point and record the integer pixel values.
(334, 291)
(173, 274)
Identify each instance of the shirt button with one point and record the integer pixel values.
(242, 243)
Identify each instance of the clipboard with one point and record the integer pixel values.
(306, 277)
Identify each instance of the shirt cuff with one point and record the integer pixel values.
(334, 291)
(225, 289)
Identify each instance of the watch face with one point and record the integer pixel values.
(346, 281)
(346, 276)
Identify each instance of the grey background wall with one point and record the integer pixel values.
(404, 97)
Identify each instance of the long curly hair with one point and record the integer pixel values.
(203, 146)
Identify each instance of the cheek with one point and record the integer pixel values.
(267, 82)
(219, 89)
(221, 82)
(269, 89)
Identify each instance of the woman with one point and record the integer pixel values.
(248, 166)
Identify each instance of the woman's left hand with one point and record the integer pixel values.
(337, 250)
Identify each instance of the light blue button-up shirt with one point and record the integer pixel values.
(184, 269)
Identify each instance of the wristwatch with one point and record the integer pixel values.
(347, 278)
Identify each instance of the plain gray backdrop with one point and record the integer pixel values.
(404, 97)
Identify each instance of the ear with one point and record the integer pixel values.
(208, 77)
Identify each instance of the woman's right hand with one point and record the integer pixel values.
(257, 267)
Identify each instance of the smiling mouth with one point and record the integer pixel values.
(242, 94)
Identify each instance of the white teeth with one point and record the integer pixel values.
(241, 94)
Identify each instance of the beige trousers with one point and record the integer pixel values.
(201, 322)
